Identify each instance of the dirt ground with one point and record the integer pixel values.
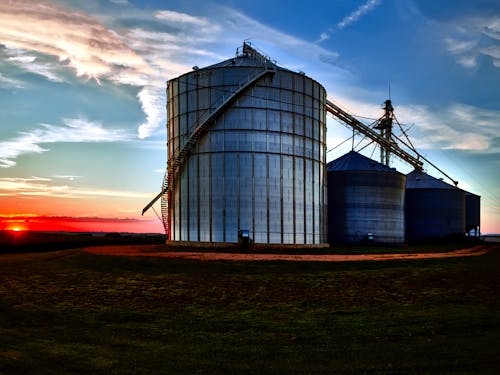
(159, 251)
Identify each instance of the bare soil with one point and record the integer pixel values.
(161, 251)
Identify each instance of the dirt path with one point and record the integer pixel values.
(155, 251)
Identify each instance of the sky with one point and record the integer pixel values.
(82, 92)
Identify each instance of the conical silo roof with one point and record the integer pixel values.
(354, 161)
(421, 180)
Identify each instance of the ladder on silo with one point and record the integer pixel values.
(200, 127)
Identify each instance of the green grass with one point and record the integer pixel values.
(73, 312)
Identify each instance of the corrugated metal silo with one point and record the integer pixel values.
(434, 209)
(258, 162)
(365, 201)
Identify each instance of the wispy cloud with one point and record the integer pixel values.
(446, 128)
(31, 64)
(358, 13)
(10, 82)
(67, 177)
(84, 44)
(73, 130)
(38, 186)
(178, 17)
(82, 219)
(350, 19)
(450, 128)
(472, 37)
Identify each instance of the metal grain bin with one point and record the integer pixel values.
(365, 201)
(258, 163)
(434, 209)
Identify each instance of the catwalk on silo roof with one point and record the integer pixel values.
(248, 140)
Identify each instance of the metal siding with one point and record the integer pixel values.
(205, 202)
(299, 200)
(434, 213)
(362, 202)
(217, 197)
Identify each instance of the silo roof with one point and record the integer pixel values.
(420, 180)
(240, 61)
(472, 194)
(353, 161)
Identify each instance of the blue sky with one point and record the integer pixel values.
(82, 87)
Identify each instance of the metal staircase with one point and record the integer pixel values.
(196, 131)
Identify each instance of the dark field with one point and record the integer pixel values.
(28, 241)
(73, 312)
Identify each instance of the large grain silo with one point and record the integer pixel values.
(434, 209)
(246, 152)
(365, 201)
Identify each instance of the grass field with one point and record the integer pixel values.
(73, 312)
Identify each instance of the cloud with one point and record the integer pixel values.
(177, 17)
(358, 13)
(153, 104)
(323, 36)
(82, 43)
(31, 64)
(67, 177)
(450, 127)
(73, 130)
(457, 126)
(10, 82)
(348, 20)
(83, 219)
(38, 186)
(469, 38)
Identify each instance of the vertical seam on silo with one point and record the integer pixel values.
(268, 150)
(238, 179)
(210, 196)
(281, 179)
(293, 163)
(304, 155)
(198, 198)
(186, 173)
(224, 182)
(253, 195)
(267, 196)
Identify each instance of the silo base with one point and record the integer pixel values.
(238, 247)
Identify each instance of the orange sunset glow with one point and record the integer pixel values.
(76, 213)
(75, 224)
